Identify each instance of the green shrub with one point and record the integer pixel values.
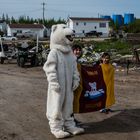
(121, 47)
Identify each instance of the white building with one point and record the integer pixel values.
(84, 25)
(38, 29)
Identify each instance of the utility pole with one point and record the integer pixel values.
(43, 10)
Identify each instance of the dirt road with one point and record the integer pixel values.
(23, 104)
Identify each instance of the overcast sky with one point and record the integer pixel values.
(65, 8)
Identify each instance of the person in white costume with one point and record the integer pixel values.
(63, 79)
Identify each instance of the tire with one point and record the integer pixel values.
(34, 61)
(97, 35)
(18, 61)
(21, 62)
(2, 60)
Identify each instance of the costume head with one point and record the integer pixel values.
(61, 35)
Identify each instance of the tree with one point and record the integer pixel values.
(13, 20)
(3, 17)
(23, 19)
(7, 19)
(134, 27)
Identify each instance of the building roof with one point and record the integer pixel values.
(40, 26)
(88, 19)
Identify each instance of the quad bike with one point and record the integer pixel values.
(7, 53)
(28, 55)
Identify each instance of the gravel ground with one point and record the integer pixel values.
(23, 103)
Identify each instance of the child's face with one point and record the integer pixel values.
(77, 52)
(106, 59)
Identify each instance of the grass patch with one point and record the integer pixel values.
(120, 46)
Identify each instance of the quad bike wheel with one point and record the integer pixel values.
(1, 60)
(21, 62)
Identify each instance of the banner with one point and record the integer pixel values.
(93, 96)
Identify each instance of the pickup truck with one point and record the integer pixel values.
(93, 33)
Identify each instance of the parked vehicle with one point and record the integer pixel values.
(29, 55)
(7, 53)
(28, 34)
(93, 33)
(9, 38)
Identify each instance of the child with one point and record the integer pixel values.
(108, 75)
(77, 50)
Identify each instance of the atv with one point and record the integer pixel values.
(29, 55)
(7, 53)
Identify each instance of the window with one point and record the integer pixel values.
(77, 23)
(84, 23)
(102, 25)
(19, 31)
(83, 31)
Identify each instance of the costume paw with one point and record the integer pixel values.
(55, 87)
(60, 134)
(75, 130)
(75, 85)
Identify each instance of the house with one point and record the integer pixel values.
(84, 25)
(37, 29)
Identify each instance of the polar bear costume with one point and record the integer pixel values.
(63, 79)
